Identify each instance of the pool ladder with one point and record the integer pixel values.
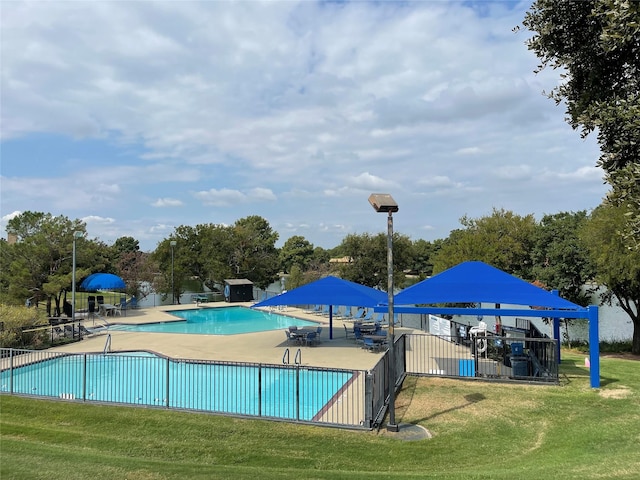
(107, 344)
(297, 359)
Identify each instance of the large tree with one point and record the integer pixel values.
(297, 250)
(136, 268)
(560, 260)
(617, 266)
(39, 263)
(254, 254)
(367, 256)
(502, 239)
(597, 45)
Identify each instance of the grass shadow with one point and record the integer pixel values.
(470, 399)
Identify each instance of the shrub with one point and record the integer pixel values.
(13, 319)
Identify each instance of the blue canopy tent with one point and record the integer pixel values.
(476, 282)
(328, 291)
(102, 281)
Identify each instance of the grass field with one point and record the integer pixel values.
(480, 430)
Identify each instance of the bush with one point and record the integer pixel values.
(13, 319)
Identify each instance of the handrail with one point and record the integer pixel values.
(298, 359)
(107, 344)
(285, 357)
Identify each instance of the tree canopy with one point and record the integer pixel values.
(597, 45)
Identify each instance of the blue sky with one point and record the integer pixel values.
(138, 117)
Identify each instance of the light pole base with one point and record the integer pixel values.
(393, 427)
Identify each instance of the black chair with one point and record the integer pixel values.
(92, 306)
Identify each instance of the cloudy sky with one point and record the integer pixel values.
(138, 117)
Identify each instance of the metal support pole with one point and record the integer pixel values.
(392, 425)
(73, 281)
(173, 291)
(594, 347)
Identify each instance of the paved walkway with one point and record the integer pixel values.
(262, 347)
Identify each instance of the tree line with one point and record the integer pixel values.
(565, 251)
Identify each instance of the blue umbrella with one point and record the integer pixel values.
(329, 291)
(102, 281)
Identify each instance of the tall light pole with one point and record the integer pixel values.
(173, 291)
(76, 235)
(383, 202)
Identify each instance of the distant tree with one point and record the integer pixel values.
(254, 254)
(502, 239)
(173, 263)
(39, 264)
(597, 45)
(211, 252)
(368, 259)
(617, 266)
(423, 253)
(297, 250)
(295, 278)
(560, 260)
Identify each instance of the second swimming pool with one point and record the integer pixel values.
(219, 321)
(140, 378)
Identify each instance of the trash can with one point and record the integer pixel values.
(520, 366)
(466, 368)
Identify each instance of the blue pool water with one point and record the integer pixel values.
(219, 321)
(140, 378)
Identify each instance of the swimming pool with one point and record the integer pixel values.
(141, 378)
(219, 321)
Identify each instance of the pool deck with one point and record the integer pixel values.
(262, 347)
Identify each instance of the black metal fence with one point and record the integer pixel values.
(485, 356)
(293, 393)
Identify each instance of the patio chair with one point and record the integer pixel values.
(133, 303)
(370, 345)
(357, 333)
(346, 331)
(311, 338)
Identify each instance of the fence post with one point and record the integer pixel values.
(84, 377)
(166, 393)
(11, 371)
(298, 392)
(260, 389)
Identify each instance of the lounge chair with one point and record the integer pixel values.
(84, 331)
(367, 316)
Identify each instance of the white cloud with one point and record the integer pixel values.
(95, 219)
(296, 111)
(168, 202)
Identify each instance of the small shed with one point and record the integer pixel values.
(238, 290)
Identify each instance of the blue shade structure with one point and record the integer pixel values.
(329, 291)
(476, 282)
(102, 281)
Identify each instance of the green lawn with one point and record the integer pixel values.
(479, 430)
